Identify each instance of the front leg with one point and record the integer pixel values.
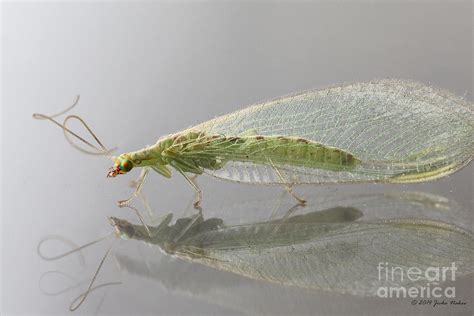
(138, 187)
(135, 184)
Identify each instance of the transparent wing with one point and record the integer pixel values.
(395, 127)
(337, 257)
(249, 172)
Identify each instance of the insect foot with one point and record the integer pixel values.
(197, 205)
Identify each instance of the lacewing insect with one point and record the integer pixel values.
(389, 131)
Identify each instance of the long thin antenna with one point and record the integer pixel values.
(101, 150)
(76, 101)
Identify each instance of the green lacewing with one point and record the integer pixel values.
(380, 131)
(390, 131)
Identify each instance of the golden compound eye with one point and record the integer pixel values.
(126, 165)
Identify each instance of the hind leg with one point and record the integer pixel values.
(288, 185)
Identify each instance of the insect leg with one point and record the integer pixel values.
(191, 201)
(291, 211)
(140, 217)
(287, 184)
(191, 224)
(276, 207)
(138, 187)
(289, 188)
(137, 193)
(197, 204)
(287, 215)
(181, 169)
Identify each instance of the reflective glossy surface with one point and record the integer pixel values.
(147, 69)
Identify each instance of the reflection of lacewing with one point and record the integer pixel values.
(380, 131)
(310, 252)
(339, 248)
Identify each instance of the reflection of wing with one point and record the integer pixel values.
(393, 126)
(337, 257)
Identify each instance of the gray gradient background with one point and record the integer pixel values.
(148, 69)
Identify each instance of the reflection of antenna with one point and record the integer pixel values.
(77, 249)
(64, 290)
(81, 298)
